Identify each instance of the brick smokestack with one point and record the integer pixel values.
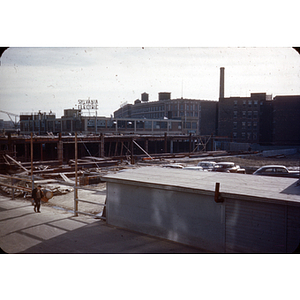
(222, 75)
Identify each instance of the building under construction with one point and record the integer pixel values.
(61, 148)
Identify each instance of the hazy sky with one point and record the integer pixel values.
(33, 79)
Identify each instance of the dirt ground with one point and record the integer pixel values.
(67, 201)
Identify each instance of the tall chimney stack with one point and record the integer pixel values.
(222, 71)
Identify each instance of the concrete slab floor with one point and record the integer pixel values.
(58, 231)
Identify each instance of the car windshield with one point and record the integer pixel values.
(225, 165)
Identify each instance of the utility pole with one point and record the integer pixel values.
(76, 179)
(31, 158)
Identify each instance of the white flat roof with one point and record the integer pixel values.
(236, 186)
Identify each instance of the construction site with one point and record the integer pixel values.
(57, 162)
(142, 174)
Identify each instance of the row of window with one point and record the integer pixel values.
(189, 107)
(246, 135)
(250, 125)
(250, 114)
(170, 107)
(160, 115)
(249, 103)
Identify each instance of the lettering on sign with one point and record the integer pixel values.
(87, 104)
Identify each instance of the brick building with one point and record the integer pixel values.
(198, 116)
(286, 120)
(246, 119)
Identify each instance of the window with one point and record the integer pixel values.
(250, 103)
(250, 114)
(235, 114)
(281, 170)
(244, 114)
(234, 135)
(243, 125)
(244, 102)
(255, 103)
(101, 123)
(235, 102)
(255, 114)
(249, 125)
(148, 124)
(234, 125)
(140, 124)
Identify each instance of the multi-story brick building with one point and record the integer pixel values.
(286, 120)
(246, 119)
(198, 116)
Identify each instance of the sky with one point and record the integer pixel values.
(55, 78)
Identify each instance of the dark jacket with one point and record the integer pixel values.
(34, 193)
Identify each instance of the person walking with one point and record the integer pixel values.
(37, 195)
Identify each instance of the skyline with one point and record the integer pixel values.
(56, 78)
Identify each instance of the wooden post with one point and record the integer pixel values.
(166, 143)
(132, 158)
(60, 149)
(31, 158)
(102, 145)
(76, 183)
(147, 145)
(116, 147)
(122, 145)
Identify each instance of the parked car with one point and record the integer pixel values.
(276, 170)
(228, 167)
(174, 166)
(207, 165)
(195, 168)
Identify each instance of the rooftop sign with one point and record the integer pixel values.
(87, 104)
